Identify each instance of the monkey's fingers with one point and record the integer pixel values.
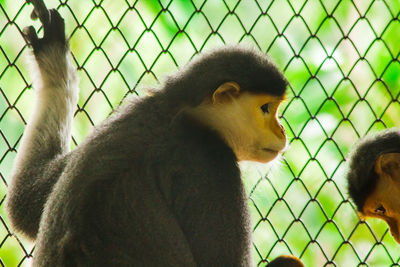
(55, 30)
(40, 11)
(53, 27)
(30, 35)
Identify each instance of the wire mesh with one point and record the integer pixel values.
(342, 61)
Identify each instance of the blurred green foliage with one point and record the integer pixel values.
(342, 61)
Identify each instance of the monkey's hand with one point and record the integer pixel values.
(51, 51)
(53, 26)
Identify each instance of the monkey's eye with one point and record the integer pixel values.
(265, 108)
(380, 210)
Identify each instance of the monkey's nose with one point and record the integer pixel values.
(282, 129)
(283, 132)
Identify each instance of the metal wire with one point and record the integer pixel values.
(342, 61)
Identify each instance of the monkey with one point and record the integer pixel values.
(373, 178)
(157, 182)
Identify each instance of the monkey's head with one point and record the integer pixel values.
(236, 91)
(247, 121)
(287, 261)
(374, 178)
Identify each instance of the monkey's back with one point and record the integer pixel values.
(145, 176)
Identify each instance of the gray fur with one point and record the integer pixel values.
(150, 186)
(361, 176)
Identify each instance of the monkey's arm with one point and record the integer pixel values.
(46, 140)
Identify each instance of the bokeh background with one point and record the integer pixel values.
(342, 61)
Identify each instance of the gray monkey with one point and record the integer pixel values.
(157, 183)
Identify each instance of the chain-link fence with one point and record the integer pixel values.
(342, 61)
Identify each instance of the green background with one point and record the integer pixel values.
(342, 61)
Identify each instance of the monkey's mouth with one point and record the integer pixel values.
(269, 150)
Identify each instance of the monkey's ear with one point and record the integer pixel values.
(389, 164)
(226, 92)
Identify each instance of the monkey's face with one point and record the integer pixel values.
(247, 122)
(257, 134)
(384, 202)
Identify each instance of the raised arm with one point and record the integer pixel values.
(46, 141)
